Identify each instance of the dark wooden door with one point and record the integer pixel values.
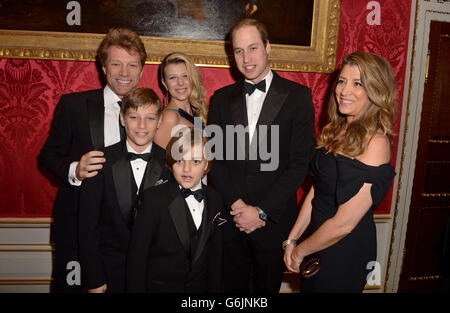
(430, 200)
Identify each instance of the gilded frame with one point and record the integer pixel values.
(319, 56)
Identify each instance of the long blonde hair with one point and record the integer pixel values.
(197, 98)
(377, 78)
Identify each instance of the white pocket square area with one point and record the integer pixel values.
(161, 181)
(218, 221)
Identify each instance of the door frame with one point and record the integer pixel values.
(422, 13)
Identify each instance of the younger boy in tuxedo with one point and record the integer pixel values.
(108, 201)
(176, 245)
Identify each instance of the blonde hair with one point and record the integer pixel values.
(377, 78)
(197, 98)
(124, 38)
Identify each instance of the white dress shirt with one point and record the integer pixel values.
(138, 166)
(195, 207)
(254, 104)
(111, 128)
(112, 112)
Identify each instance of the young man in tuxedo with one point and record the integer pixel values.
(85, 122)
(109, 200)
(176, 245)
(263, 202)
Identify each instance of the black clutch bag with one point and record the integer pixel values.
(310, 266)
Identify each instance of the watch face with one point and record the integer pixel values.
(262, 215)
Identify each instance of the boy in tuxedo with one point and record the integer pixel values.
(108, 201)
(176, 245)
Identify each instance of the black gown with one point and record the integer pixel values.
(343, 266)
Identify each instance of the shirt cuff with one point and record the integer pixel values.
(73, 180)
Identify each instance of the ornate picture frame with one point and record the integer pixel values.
(319, 56)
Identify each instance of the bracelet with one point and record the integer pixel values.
(288, 242)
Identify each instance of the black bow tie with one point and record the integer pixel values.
(198, 194)
(144, 156)
(119, 103)
(250, 88)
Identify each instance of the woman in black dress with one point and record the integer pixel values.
(351, 174)
(185, 96)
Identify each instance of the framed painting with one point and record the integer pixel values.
(303, 34)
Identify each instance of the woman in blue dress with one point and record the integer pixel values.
(185, 96)
(351, 174)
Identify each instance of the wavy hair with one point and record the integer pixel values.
(197, 98)
(124, 38)
(378, 80)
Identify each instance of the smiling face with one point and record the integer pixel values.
(350, 94)
(122, 70)
(140, 126)
(190, 168)
(250, 54)
(176, 81)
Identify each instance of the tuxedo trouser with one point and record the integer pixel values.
(66, 269)
(248, 261)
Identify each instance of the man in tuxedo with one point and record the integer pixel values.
(262, 199)
(85, 122)
(109, 200)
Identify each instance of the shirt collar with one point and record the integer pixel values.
(130, 149)
(109, 96)
(268, 79)
(199, 186)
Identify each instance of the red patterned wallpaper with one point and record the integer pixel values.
(30, 89)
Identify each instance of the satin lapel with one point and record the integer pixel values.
(122, 182)
(274, 101)
(207, 219)
(178, 212)
(238, 109)
(153, 169)
(96, 112)
(237, 105)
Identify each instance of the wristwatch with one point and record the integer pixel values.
(262, 214)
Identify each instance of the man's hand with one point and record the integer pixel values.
(101, 289)
(247, 218)
(89, 165)
(239, 203)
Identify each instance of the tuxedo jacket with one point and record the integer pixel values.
(78, 127)
(160, 258)
(106, 215)
(288, 107)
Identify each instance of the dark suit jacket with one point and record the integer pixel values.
(289, 106)
(159, 258)
(78, 127)
(106, 215)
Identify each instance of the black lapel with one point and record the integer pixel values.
(273, 102)
(154, 168)
(207, 219)
(122, 181)
(238, 108)
(178, 212)
(96, 112)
